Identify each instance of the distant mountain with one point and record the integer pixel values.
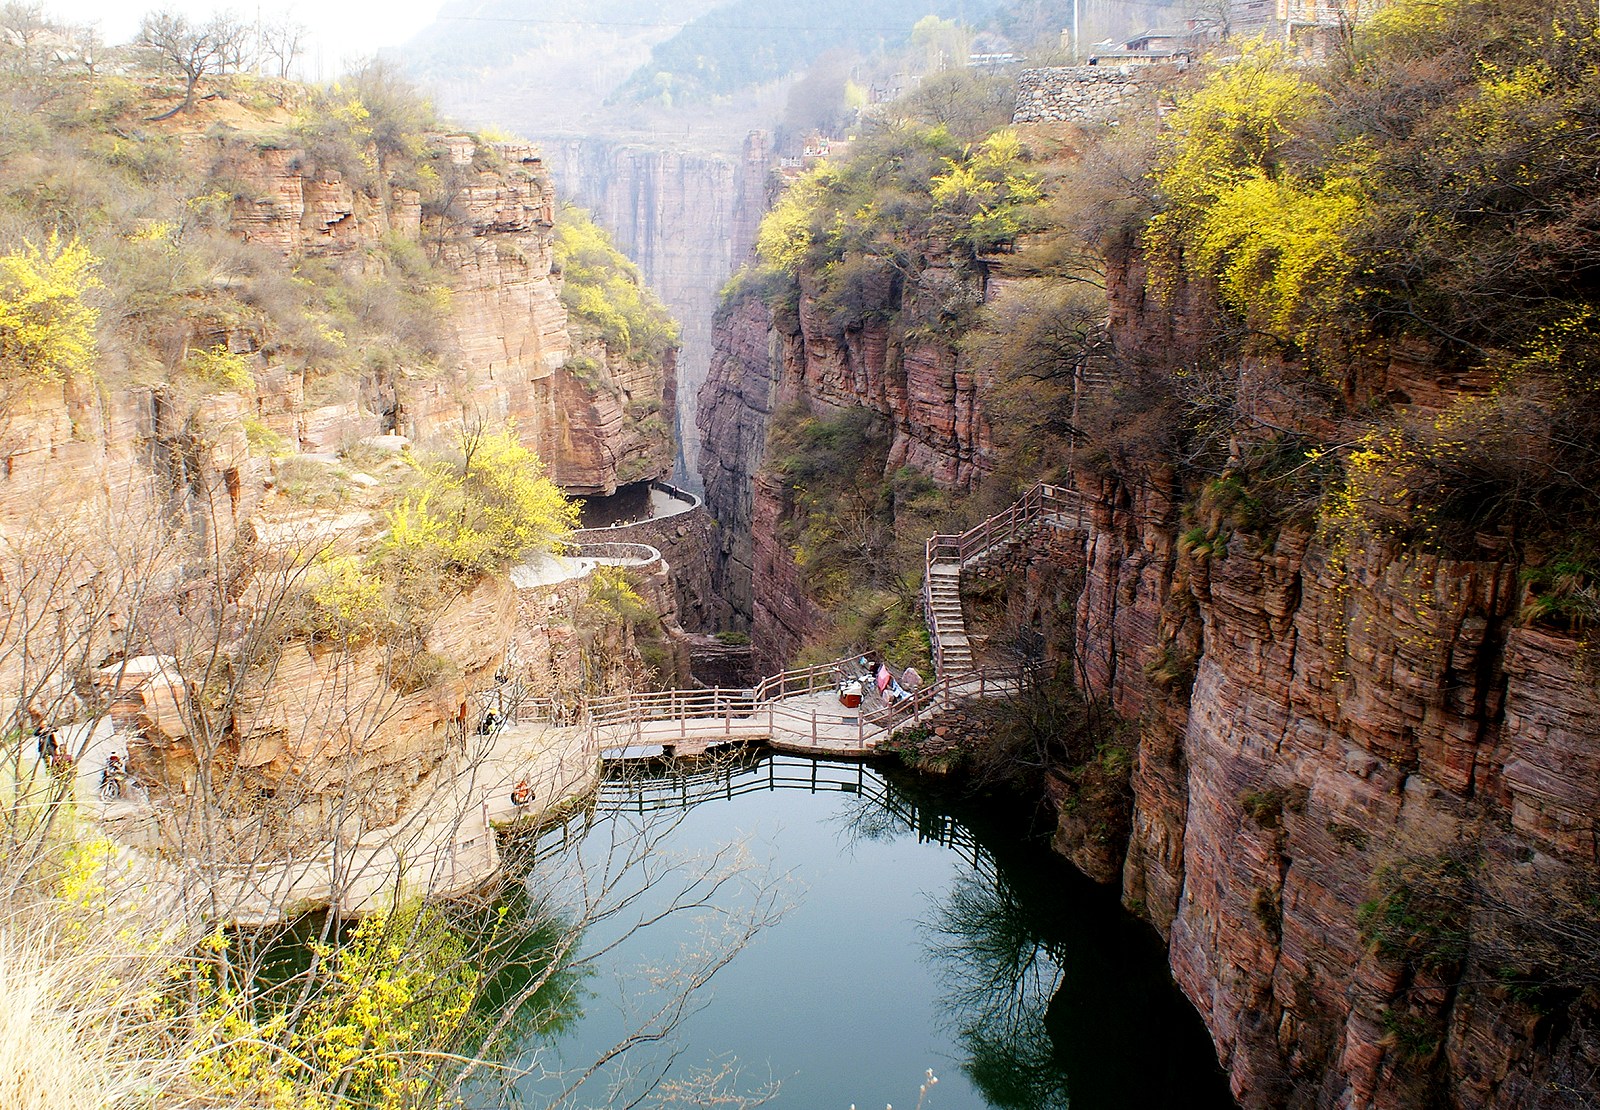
(750, 42)
(479, 35)
(538, 66)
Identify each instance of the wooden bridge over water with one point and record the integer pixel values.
(799, 710)
(445, 841)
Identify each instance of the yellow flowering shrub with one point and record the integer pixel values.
(47, 331)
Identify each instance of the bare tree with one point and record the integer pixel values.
(22, 27)
(269, 784)
(281, 43)
(192, 50)
(236, 43)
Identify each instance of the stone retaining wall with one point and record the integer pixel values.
(1088, 94)
(687, 541)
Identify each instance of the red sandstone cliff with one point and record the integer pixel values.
(924, 391)
(147, 497)
(1316, 721)
(510, 339)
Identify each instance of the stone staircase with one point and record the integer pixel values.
(1043, 506)
(945, 619)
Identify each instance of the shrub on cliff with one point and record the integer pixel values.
(47, 330)
(605, 294)
(157, 209)
(479, 510)
(1413, 214)
(910, 192)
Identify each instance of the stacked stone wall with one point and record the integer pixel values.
(1088, 94)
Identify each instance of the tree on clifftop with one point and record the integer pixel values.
(191, 49)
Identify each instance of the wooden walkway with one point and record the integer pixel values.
(444, 842)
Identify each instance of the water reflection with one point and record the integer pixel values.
(1057, 996)
(928, 935)
(1002, 980)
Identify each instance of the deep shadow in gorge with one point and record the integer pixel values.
(1061, 997)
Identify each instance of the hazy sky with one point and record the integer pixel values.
(341, 29)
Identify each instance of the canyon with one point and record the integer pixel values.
(1318, 721)
(688, 220)
(1353, 785)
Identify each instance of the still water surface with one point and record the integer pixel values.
(918, 936)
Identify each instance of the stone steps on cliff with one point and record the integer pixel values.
(946, 617)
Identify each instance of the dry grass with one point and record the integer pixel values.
(47, 1061)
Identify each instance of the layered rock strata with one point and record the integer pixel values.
(1325, 721)
(156, 499)
(511, 344)
(926, 394)
(1316, 722)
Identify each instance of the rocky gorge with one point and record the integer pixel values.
(687, 220)
(1362, 784)
(296, 457)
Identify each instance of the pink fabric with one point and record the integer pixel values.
(883, 678)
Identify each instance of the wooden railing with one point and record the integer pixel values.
(805, 680)
(943, 693)
(717, 709)
(668, 705)
(717, 704)
(1043, 501)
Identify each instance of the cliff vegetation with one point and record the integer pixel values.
(286, 387)
(1316, 349)
(880, 257)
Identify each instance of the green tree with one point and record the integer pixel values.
(604, 292)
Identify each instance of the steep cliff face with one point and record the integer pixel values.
(163, 519)
(511, 344)
(1334, 734)
(688, 221)
(1350, 714)
(1365, 790)
(735, 407)
(922, 391)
